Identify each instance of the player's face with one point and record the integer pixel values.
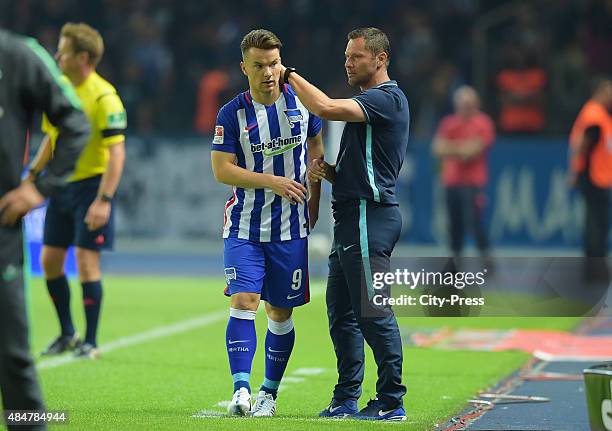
(360, 63)
(262, 68)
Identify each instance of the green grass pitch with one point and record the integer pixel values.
(167, 362)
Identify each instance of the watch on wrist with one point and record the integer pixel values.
(105, 198)
(288, 71)
(33, 173)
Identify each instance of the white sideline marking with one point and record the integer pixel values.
(143, 337)
(153, 334)
(208, 414)
(290, 379)
(308, 371)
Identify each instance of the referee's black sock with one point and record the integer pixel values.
(59, 290)
(92, 300)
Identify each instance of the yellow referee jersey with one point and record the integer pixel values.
(108, 121)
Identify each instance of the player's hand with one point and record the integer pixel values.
(289, 189)
(317, 170)
(16, 203)
(97, 214)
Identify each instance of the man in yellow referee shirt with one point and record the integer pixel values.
(82, 214)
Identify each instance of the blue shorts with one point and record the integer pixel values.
(278, 271)
(65, 218)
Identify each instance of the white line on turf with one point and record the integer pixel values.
(308, 371)
(153, 334)
(291, 378)
(208, 414)
(143, 337)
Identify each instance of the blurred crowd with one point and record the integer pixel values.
(175, 62)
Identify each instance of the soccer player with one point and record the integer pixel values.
(367, 221)
(82, 214)
(29, 82)
(264, 139)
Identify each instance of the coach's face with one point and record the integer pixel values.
(360, 64)
(262, 68)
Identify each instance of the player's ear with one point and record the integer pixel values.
(243, 68)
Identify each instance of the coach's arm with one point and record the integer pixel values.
(321, 105)
(227, 172)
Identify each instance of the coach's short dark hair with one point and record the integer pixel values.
(376, 41)
(262, 39)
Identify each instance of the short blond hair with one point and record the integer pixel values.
(84, 39)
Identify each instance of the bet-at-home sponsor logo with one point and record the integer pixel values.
(277, 146)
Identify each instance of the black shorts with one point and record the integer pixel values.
(65, 219)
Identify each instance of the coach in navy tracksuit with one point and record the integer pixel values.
(367, 221)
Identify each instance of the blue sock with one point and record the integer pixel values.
(279, 344)
(241, 342)
(92, 300)
(59, 290)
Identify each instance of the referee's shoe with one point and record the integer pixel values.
(63, 343)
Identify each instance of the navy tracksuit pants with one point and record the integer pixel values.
(365, 234)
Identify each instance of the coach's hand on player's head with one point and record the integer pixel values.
(282, 74)
(317, 170)
(16, 203)
(289, 189)
(97, 214)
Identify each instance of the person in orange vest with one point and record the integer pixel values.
(591, 166)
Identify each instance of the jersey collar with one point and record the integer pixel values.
(390, 83)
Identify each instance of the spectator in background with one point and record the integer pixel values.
(159, 50)
(567, 79)
(599, 36)
(212, 84)
(461, 143)
(591, 166)
(521, 94)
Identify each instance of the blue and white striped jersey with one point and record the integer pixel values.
(272, 140)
